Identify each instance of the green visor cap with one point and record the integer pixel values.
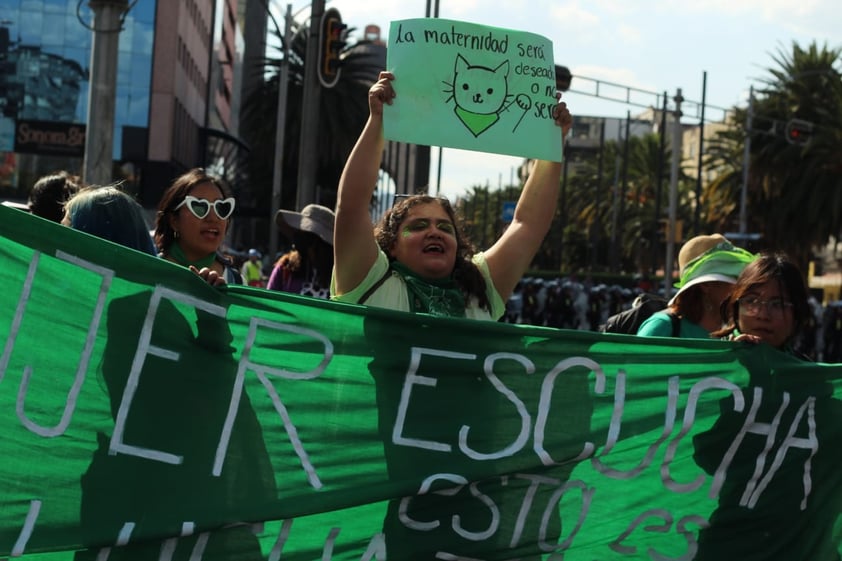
(722, 260)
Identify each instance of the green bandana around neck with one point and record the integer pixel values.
(436, 297)
(178, 254)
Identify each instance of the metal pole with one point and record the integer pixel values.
(698, 213)
(746, 158)
(435, 13)
(309, 143)
(615, 203)
(99, 135)
(596, 227)
(563, 212)
(624, 181)
(659, 183)
(280, 127)
(673, 201)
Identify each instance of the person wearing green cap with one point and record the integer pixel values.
(709, 266)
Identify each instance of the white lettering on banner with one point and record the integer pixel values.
(413, 379)
(72, 395)
(144, 348)
(554, 500)
(544, 405)
(669, 423)
(376, 548)
(460, 481)
(18, 317)
(527, 505)
(696, 391)
(283, 536)
(262, 372)
(791, 441)
(755, 486)
(125, 533)
(28, 526)
(525, 419)
(667, 518)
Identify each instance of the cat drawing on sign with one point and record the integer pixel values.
(481, 95)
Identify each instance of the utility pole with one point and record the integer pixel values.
(309, 143)
(280, 127)
(673, 199)
(746, 157)
(99, 132)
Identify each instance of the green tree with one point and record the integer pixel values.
(609, 211)
(343, 111)
(794, 191)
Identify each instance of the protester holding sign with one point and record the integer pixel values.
(709, 266)
(416, 259)
(193, 218)
(768, 303)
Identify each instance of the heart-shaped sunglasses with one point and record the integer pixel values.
(201, 207)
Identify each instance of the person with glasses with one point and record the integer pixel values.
(192, 220)
(774, 449)
(708, 266)
(768, 303)
(417, 259)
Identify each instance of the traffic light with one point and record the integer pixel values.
(332, 43)
(799, 131)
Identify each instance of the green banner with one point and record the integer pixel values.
(147, 415)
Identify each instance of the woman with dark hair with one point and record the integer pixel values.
(51, 192)
(773, 453)
(306, 268)
(767, 304)
(417, 259)
(193, 218)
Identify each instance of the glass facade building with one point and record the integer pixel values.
(45, 52)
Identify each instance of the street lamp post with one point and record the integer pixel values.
(280, 127)
(307, 160)
(673, 195)
(746, 158)
(99, 134)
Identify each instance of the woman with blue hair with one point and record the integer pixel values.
(110, 214)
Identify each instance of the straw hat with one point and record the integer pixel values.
(709, 259)
(316, 219)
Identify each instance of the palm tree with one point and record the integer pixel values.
(794, 189)
(343, 111)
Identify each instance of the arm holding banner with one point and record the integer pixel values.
(354, 246)
(512, 254)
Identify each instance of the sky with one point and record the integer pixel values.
(650, 45)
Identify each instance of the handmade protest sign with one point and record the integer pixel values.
(147, 415)
(474, 87)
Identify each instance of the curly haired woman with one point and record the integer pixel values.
(417, 259)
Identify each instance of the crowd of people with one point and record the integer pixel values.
(417, 259)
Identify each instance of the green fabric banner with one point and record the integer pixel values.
(147, 415)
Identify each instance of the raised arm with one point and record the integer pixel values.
(354, 246)
(511, 255)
